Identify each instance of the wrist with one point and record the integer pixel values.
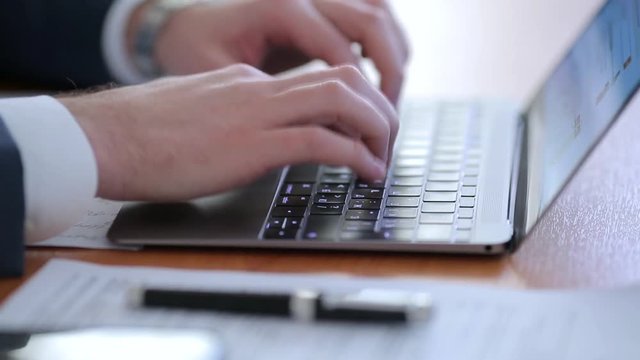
(148, 23)
(94, 118)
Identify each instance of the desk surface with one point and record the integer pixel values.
(477, 48)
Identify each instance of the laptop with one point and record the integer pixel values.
(466, 177)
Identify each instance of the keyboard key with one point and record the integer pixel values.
(442, 186)
(444, 176)
(435, 233)
(446, 167)
(334, 170)
(403, 202)
(400, 213)
(431, 196)
(321, 227)
(367, 194)
(275, 223)
(336, 179)
(439, 207)
(413, 152)
(406, 172)
(405, 191)
(358, 225)
(415, 143)
(450, 149)
(333, 188)
(365, 204)
(418, 131)
(280, 234)
(470, 181)
(297, 189)
(408, 181)
(282, 211)
(465, 213)
(410, 162)
(447, 158)
(362, 215)
(467, 202)
(329, 209)
(302, 173)
(468, 191)
(398, 223)
(330, 198)
(293, 201)
(370, 185)
(464, 224)
(451, 140)
(432, 218)
(292, 223)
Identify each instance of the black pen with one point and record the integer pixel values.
(368, 305)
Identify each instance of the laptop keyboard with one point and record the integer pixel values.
(429, 194)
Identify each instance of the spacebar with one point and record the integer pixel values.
(323, 227)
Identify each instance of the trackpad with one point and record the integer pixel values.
(237, 214)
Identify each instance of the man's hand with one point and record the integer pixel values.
(183, 137)
(276, 34)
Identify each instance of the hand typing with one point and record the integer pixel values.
(275, 35)
(183, 137)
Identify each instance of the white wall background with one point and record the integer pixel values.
(498, 48)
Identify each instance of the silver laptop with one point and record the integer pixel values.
(467, 177)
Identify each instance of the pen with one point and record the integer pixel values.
(368, 305)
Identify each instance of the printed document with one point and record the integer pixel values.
(467, 322)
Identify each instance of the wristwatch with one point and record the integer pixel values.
(153, 21)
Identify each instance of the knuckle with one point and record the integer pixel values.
(246, 70)
(349, 73)
(334, 90)
(248, 90)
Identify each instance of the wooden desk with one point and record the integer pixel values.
(469, 48)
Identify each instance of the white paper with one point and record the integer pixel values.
(468, 322)
(91, 232)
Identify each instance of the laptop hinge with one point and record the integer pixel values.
(518, 187)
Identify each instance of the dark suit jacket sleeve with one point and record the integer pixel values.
(53, 42)
(12, 208)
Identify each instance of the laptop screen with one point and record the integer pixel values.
(581, 99)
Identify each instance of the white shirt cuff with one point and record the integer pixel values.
(114, 44)
(60, 170)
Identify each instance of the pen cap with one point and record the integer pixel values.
(388, 304)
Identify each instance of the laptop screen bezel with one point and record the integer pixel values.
(526, 214)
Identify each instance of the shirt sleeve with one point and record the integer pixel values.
(114, 46)
(60, 170)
